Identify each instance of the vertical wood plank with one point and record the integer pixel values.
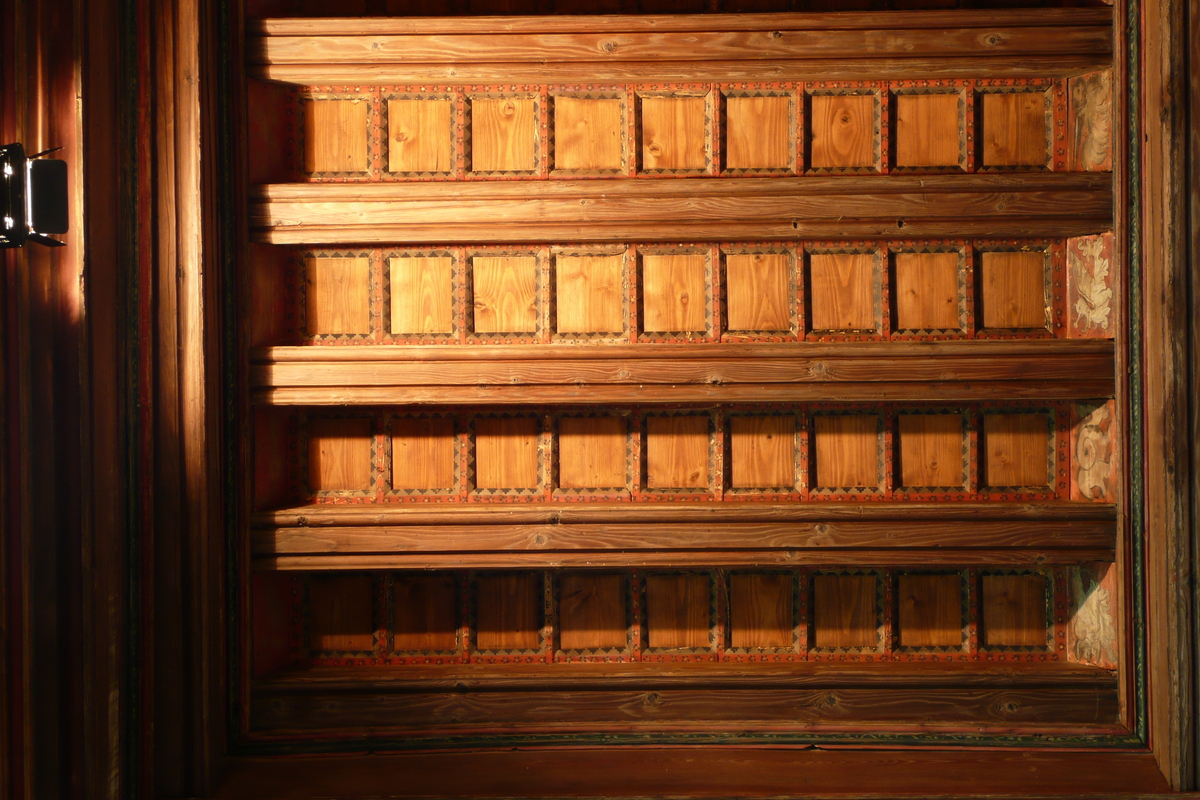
(422, 294)
(1014, 610)
(674, 296)
(588, 133)
(842, 291)
(678, 611)
(931, 450)
(341, 614)
(1014, 129)
(335, 135)
(843, 131)
(423, 453)
(758, 133)
(758, 291)
(592, 611)
(763, 452)
(928, 130)
(505, 290)
(845, 611)
(1016, 450)
(847, 450)
(271, 620)
(592, 452)
(419, 135)
(589, 294)
(677, 452)
(337, 295)
(503, 134)
(426, 612)
(508, 612)
(674, 133)
(930, 610)
(760, 610)
(339, 455)
(1013, 290)
(506, 453)
(927, 291)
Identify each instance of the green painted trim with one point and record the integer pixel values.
(1137, 511)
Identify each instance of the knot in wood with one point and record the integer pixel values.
(608, 46)
(991, 39)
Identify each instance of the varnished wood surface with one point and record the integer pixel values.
(700, 771)
(1057, 710)
(760, 610)
(842, 20)
(570, 211)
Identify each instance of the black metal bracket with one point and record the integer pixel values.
(33, 191)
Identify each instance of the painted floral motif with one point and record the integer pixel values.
(1091, 99)
(1093, 455)
(1094, 632)
(1090, 268)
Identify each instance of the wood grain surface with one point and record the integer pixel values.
(506, 452)
(677, 451)
(503, 134)
(759, 294)
(762, 452)
(927, 293)
(847, 451)
(1013, 290)
(678, 614)
(505, 294)
(931, 450)
(1016, 449)
(843, 289)
(674, 133)
(339, 454)
(1014, 129)
(425, 616)
(760, 610)
(422, 294)
(1014, 610)
(930, 610)
(337, 295)
(844, 130)
(674, 294)
(589, 294)
(589, 133)
(929, 130)
(759, 133)
(419, 134)
(845, 611)
(591, 611)
(423, 453)
(335, 135)
(508, 611)
(592, 452)
(342, 613)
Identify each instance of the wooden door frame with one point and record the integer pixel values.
(138, 383)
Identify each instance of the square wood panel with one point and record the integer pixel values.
(337, 295)
(674, 293)
(426, 612)
(758, 133)
(930, 610)
(505, 294)
(341, 613)
(589, 294)
(843, 131)
(589, 133)
(845, 611)
(339, 455)
(422, 294)
(508, 612)
(931, 450)
(591, 611)
(677, 450)
(592, 452)
(758, 291)
(674, 134)
(1016, 450)
(760, 611)
(1013, 289)
(927, 291)
(503, 134)
(929, 130)
(1014, 611)
(420, 134)
(335, 135)
(1014, 129)
(506, 452)
(678, 612)
(763, 452)
(843, 292)
(847, 451)
(423, 453)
